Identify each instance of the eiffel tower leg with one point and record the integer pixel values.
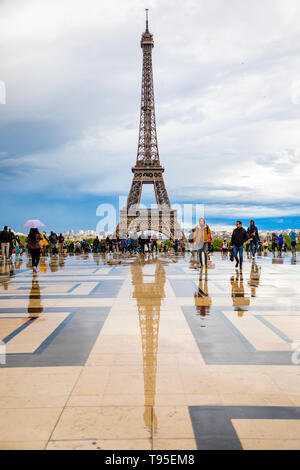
(134, 194)
(161, 193)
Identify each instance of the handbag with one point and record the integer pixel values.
(231, 255)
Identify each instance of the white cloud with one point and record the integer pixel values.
(226, 86)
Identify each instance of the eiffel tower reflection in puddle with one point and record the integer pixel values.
(148, 279)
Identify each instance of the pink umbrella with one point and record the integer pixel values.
(33, 224)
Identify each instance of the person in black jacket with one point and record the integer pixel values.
(238, 238)
(96, 245)
(254, 237)
(5, 241)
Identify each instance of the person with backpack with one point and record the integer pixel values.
(61, 240)
(53, 243)
(238, 238)
(280, 244)
(202, 238)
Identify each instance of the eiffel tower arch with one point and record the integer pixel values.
(148, 169)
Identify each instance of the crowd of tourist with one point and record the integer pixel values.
(199, 243)
(10, 243)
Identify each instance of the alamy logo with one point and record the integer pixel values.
(2, 353)
(295, 92)
(296, 353)
(2, 92)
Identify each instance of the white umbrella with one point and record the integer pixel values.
(32, 223)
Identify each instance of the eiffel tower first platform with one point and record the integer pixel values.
(148, 169)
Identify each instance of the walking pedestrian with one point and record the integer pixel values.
(96, 244)
(44, 243)
(202, 235)
(224, 248)
(293, 237)
(280, 244)
(5, 241)
(61, 240)
(34, 246)
(238, 238)
(254, 237)
(53, 243)
(265, 247)
(274, 243)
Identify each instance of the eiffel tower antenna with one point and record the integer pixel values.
(147, 28)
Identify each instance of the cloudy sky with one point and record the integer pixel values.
(227, 91)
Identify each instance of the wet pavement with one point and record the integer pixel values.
(150, 352)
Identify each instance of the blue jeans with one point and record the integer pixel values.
(236, 250)
(254, 246)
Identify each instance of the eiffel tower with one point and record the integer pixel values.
(148, 169)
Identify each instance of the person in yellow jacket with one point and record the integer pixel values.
(202, 234)
(44, 243)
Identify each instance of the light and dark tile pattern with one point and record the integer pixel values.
(214, 428)
(150, 353)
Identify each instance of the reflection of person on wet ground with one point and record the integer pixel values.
(18, 262)
(43, 265)
(35, 304)
(96, 257)
(254, 278)
(247, 249)
(62, 260)
(238, 292)
(7, 271)
(202, 299)
(53, 264)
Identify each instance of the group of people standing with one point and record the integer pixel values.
(200, 242)
(53, 243)
(9, 243)
(202, 238)
(240, 236)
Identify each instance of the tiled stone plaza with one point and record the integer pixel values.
(150, 352)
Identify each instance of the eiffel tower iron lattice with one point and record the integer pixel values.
(148, 169)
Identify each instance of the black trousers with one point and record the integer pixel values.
(35, 255)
